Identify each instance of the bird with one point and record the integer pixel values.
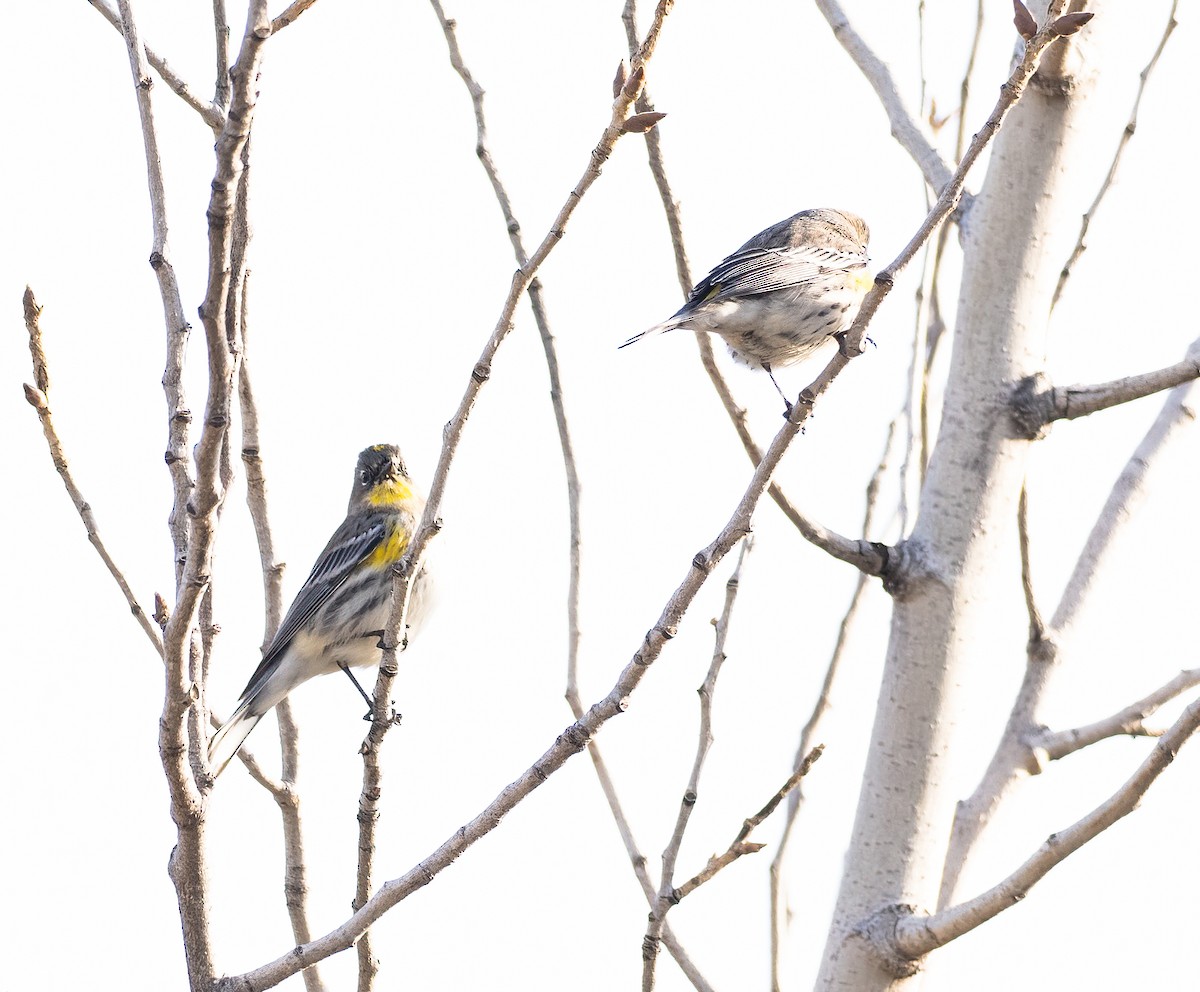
(782, 294)
(337, 619)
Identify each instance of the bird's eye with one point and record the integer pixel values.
(364, 476)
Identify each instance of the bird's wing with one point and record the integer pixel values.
(350, 545)
(764, 270)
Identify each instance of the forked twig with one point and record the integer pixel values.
(666, 896)
(38, 396)
(212, 114)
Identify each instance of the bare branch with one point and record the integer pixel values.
(1073, 402)
(1037, 628)
(741, 846)
(1122, 144)
(1129, 721)
(965, 90)
(905, 128)
(916, 936)
(290, 13)
(541, 319)
(221, 89)
(1177, 413)
(195, 518)
(285, 793)
(38, 397)
(666, 896)
(212, 114)
(1017, 753)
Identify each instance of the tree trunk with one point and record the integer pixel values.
(1015, 239)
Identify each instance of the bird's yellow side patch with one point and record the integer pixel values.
(390, 550)
(863, 279)
(389, 492)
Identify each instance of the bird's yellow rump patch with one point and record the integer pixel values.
(390, 492)
(391, 549)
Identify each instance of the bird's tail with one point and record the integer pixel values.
(226, 742)
(666, 325)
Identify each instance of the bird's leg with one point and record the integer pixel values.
(369, 716)
(361, 691)
(394, 718)
(787, 404)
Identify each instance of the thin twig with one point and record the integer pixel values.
(1037, 627)
(916, 389)
(964, 91)
(741, 846)
(541, 319)
(290, 13)
(666, 897)
(1122, 144)
(211, 114)
(221, 89)
(1126, 722)
(915, 936)
(38, 397)
(287, 796)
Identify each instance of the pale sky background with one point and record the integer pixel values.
(379, 268)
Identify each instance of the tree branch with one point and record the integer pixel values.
(290, 13)
(1015, 757)
(741, 846)
(38, 396)
(666, 897)
(221, 88)
(1073, 402)
(195, 513)
(210, 113)
(1037, 627)
(1129, 721)
(905, 128)
(915, 936)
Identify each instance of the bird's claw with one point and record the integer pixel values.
(393, 718)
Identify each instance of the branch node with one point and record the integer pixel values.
(879, 933)
(1031, 407)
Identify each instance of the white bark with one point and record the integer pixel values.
(1015, 239)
